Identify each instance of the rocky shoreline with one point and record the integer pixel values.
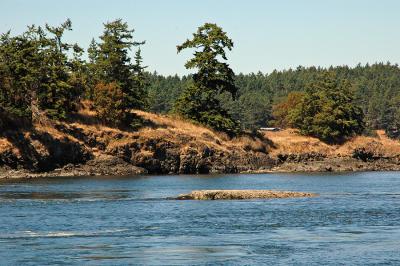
(113, 166)
(167, 145)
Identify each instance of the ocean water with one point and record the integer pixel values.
(130, 221)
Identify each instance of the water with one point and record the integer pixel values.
(129, 221)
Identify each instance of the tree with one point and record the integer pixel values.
(110, 62)
(327, 110)
(255, 110)
(18, 79)
(140, 83)
(392, 126)
(199, 101)
(36, 73)
(57, 95)
(109, 104)
(281, 111)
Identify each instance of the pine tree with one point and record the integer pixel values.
(37, 73)
(327, 110)
(111, 62)
(57, 96)
(199, 102)
(140, 83)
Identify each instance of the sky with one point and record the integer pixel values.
(268, 35)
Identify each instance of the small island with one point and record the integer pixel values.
(242, 194)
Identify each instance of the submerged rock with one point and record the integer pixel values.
(241, 194)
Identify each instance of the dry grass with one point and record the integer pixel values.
(290, 141)
(380, 145)
(175, 129)
(188, 135)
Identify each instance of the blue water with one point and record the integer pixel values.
(129, 221)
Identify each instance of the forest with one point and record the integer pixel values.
(42, 77)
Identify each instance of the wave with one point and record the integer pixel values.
(55, 234)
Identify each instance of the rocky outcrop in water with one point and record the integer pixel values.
(241, 194)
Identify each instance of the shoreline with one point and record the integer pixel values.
(117, 167)
(168, 145)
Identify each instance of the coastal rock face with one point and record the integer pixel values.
(241, 194)
(163, 146)
(168, 145)
(165, 157)
(40, 151)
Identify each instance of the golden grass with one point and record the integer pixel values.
(290, 141)
(186, 134)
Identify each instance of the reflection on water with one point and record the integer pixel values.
(121, 221)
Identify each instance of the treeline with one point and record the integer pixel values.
(266, 99)
(43, 77)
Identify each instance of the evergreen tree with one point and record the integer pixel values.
(392, 124)
(92, 72)
(199, 102)
(57, 96)
(36, 74)
(110, 62)
(140, 82)
(18, 72)
(327, 110)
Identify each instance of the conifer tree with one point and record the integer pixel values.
(140, 83)
(111, 62)
(36, 72)
(199, 102)
(327, 110)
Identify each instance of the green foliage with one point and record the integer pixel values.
(109, 62)
(327, 110)
(36, 73)
(375, 87)
(254, 110)
(200, 102)
(18, 66)
(109, 104)
(163, 91)
(198, 105)
(282, 110)
(392, 123)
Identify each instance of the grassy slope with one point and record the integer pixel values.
(289, 141)
(160, 134)
(182, 137)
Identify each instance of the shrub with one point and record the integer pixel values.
(109, 104)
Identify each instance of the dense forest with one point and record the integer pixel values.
(376, 90)
(42, 77)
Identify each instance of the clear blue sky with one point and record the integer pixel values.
(268, 35)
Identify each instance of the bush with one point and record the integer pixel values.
(109, 104)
